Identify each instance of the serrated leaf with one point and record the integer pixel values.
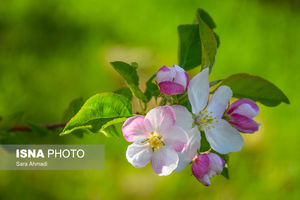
(97, 111)
(129, 74)
(152, 90)
(190, 47)
(73, 108)
(255, 88)
(126, 92)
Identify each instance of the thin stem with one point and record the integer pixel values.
(48, 126)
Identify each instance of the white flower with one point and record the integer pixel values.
(157, 138)
(221, 136)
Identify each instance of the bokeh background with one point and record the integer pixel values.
(54, 51)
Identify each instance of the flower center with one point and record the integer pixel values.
(155, 141)
(206, 119)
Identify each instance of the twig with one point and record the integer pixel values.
(48, 126)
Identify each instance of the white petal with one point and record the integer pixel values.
(219, 101)
(190, 152)
(161, 118)
(223, 138)
(164, 161)
(198, 91)
(139, 154)
(175, 138)
(205, 180)
(184, 118)
(216, 164)
(135, 128)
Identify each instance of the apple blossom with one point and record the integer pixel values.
(240, 115)
(221, 136)
(172, 80)
(207, 165)
(155, 137)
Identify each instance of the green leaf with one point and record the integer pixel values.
(198, 42)
(97, 111)
(73, 108)
(208, 39)
(110, 129)
(152, 89)
(203, 15)
(129, 74)
(126, 92)
(255, 88)
(190, 47)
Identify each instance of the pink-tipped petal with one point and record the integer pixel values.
(134, 128)
(219, 101)
(216, 163)
(184, 118)
(198, 91)
(223, 138)
(190, 152)
(175, 138)
(243, 123)
(165, 74)
(171, 88)
(161, 118)
(200, 166)
(244, 107)
(139, 154)
(164, 161)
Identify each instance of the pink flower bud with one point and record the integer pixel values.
(172, 80)
(240, 114)
(206, 165)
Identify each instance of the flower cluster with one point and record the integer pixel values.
(169, 135)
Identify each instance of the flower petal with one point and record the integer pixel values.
(181, 76)
(171, 88)
(175, 138)
(184, 118)
(200, 166)
(161, 118)
(244, 107)
(164, 161)
(198, 91)
(243, 123)
(139, 154)
(134, 128)
(165, 74)
(223, 138)
(190, 152)
(219, 101)
(216, 163)
(205, 180)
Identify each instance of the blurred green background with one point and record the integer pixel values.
(53, 51)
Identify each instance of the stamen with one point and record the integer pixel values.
(155, 141)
